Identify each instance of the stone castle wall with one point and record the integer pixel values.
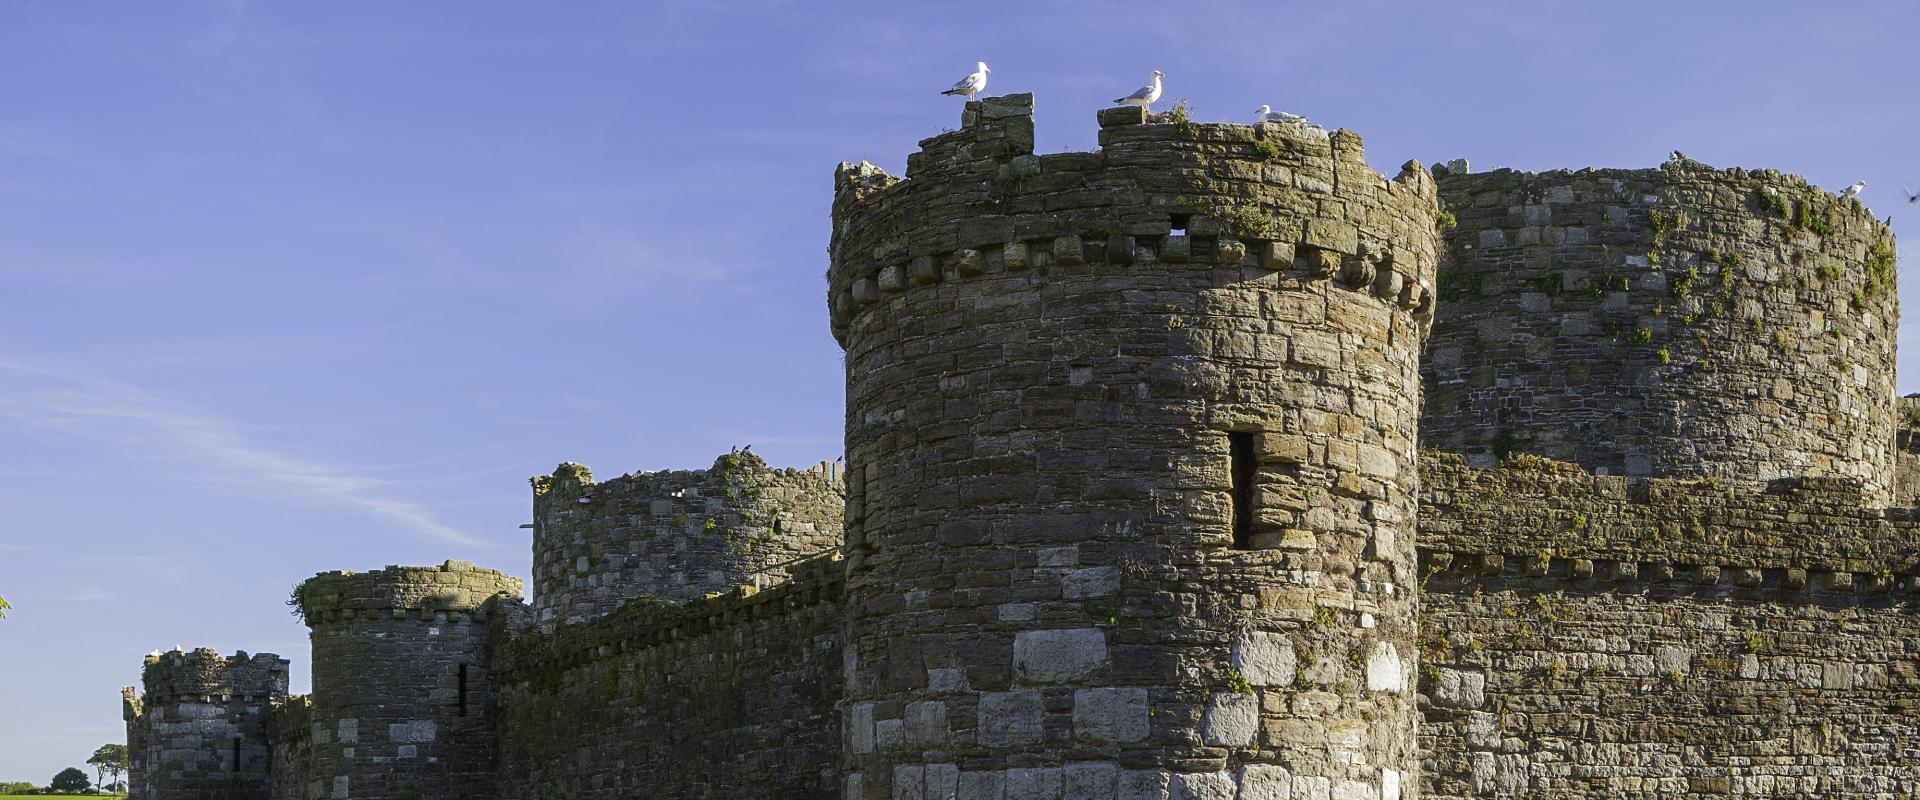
(1062, 370)
(733, 696)
(200, 729)
(1582, 637)
(675, 535)
(1681, 321)
(1906, 451)
(401, 704)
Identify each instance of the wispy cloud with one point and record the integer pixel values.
(216, 449)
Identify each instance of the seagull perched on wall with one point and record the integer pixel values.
(972, 84)
(1853, 191)
(1144, 96)
(1265, 113)
(1677, 156)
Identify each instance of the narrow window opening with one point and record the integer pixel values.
(1179, 222)
(236, 754)
(777, 527)
(1240, 449)
(463, 690)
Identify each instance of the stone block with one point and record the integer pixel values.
(1040, 783)
(987, 785)
(943, 782)
(923, 270)
(1332, 235)
(1110, 716)
(1265, 782)
(1080, 584)
(1142, 784)
(1202, 786)
(1010, 719)
(1175, 249)
(1069, 251)
(1092, 779)
(1014, 255)
(969, 263)
(893, 279)
(1264, 659)
(1385, 673)
(1457, 688)
(926, 723)
(1276, 255)
(1058, 656)
(1231, 719)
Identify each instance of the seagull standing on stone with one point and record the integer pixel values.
(1853, 191)
(1677, 156)
(1146, 95)
(1265, 113)
(972, 84)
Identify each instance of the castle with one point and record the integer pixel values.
(1211, 465)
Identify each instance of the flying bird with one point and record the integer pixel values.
(1912, 196)
(972, 84)
(1853, 191)
(1265, 113)
(1144, 96)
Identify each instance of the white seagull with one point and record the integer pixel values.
(1853, 191)
(1265, 113)
(1145, 95)
(972, 84)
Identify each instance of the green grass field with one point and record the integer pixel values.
(44, 796)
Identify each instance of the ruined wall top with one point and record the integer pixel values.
(203, 675)
(454, 586)
(675, 535)
(1683, 321)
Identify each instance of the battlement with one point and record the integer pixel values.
(677, 534)
(204, 676)
(1248, 201)
(454, 587)
(1683, 321)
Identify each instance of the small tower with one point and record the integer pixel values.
(199, 732)
(1130, 440)
(1684, 322)
(675, 535)
(400, 703)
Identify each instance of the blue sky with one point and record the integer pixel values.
(287, 287)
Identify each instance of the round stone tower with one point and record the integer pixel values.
(1130, 434)
(1682, 321)
(400, 681)
(675, 535)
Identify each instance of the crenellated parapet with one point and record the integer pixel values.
(675, 535)
(1284, 203)
(1684, 321)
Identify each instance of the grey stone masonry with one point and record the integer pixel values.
(1114, 418)
(1684, 321)
(401, 704)
(675, 535)
(200, 730)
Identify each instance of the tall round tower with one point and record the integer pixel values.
(400, 681)
(1130, 433)
(1682, 322)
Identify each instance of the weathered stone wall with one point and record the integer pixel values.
(1584, 637)
(290, 749)
(200, 730)
(675, 535)
(1906, 451)
(1050, 363)
(401, 682)
(1681, 321)
(726, 697)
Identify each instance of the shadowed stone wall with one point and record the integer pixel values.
(200, 730)
(675, 535)
(1681, 321)
(732, 696)
(1582, 637)
(1049, 361)
(401, 705)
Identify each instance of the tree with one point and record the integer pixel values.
(70, 779)
(3, 608)
(110, 758)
